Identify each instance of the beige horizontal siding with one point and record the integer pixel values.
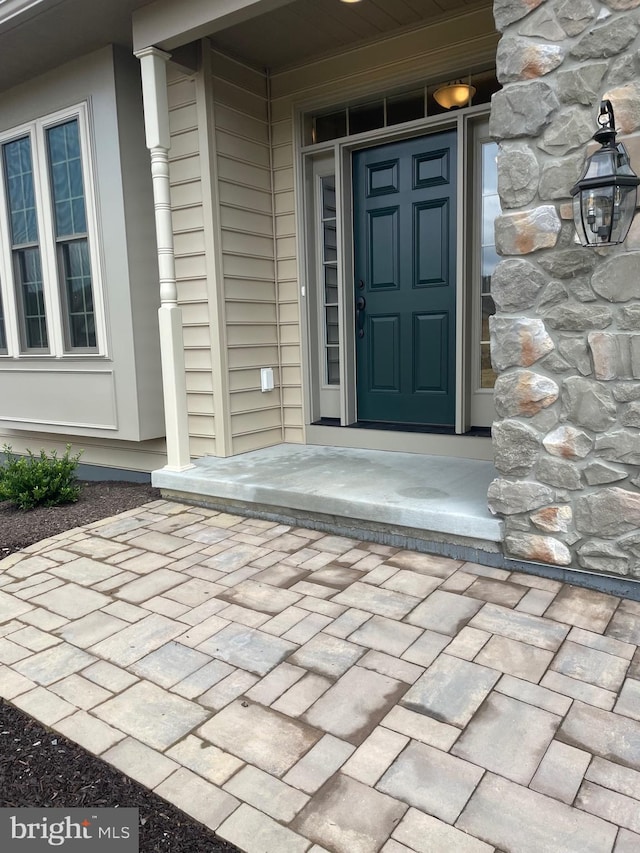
(245, 206)
(188, 219)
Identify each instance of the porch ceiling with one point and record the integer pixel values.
(303, 29)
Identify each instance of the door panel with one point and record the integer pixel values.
(404, 227)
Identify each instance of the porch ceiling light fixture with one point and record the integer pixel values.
(605, 197)
(456, 94)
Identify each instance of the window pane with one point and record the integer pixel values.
(333, 366)
(3, 334)
(28, 274)
(366, 117)
(487, 374)
(405, 108)
(331, 285)
(76, 270)
(20, 193)
(332, 324)
(489, 257)
(331, 126)
(67, 189)
(330, 244)
(329, 197)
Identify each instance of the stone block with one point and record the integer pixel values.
(518, 174)
(616, 279)
(444, 612)
(588, 404)
(520, 59)
(542, 549)
(581, 85)
(620, 445)
(559, 176)
(615, 356)
(515, 446)
(608, 512)
(425, 834)
(522, 109)
(507, 12)
(600, 555)
(524, 393)
(568, 442)
(605, 40)
(527, 231)
(517, 342)
(574, 16)
(516, 283)
(578, 317)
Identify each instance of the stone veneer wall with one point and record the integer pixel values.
(566, 335)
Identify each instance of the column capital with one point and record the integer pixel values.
(152, 51)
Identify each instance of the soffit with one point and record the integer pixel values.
(305, 29)
(56, 31)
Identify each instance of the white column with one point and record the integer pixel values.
(156, 118)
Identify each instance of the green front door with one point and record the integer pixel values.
(405, 280)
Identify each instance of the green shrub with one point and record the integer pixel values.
(30, 481)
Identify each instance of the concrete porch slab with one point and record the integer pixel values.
(406, 495)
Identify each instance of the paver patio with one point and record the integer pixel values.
(300, 692)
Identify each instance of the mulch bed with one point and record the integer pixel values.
(40, 768)
(19, 528)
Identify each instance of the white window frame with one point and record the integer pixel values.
(52, 287)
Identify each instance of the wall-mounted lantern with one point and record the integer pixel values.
(604, 199)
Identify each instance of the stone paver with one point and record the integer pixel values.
(139, 761)
(561, 772)
(321, 762)
(602, 733)
(260, 736)
(71, 600)
(265, 792)
(508, 737)
(197, 797)
(515, 658)
(327, 655)
(514, 818)
(444, 612)
(355, 704)
(151, 715)
(247, 648)
(331, 820)
(169, 664)
(451, 690)
(583, 607)
(431, 780)
(308, 693)
(590, 665)
(253, 831)
(427, 834)
(204, 759)
(137, 640)
(54, 663)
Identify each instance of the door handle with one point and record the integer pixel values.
(361, 304)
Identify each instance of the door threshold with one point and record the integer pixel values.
(427, 429)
